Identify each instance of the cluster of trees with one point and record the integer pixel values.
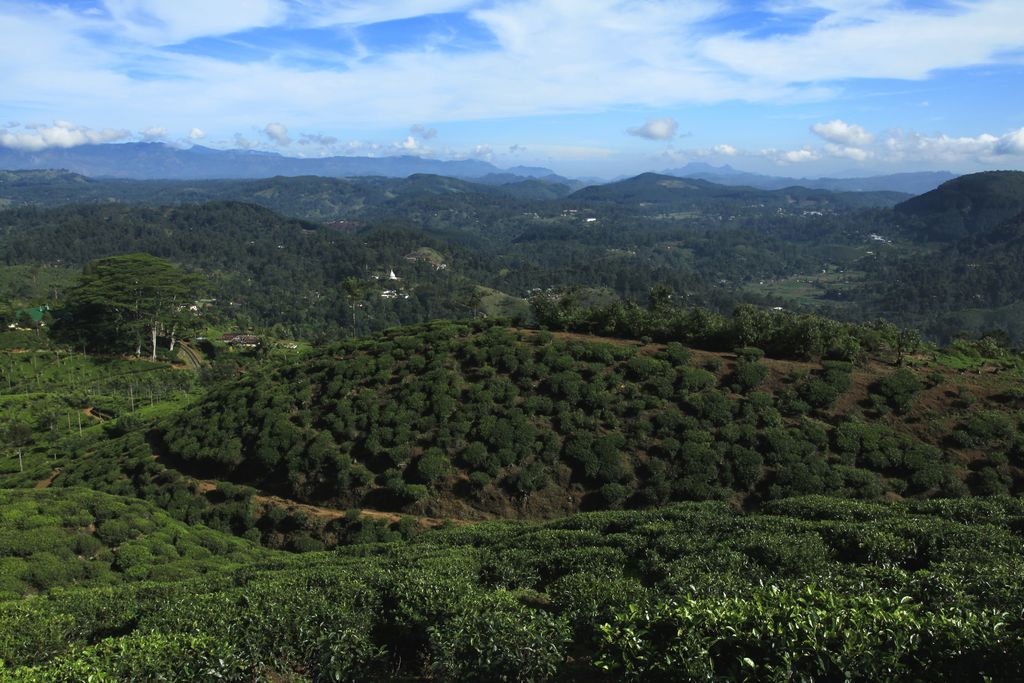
(124, 302)
(262, 270)
(499, 419)
(779, 333)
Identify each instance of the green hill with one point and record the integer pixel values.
(968, 205)
(473, 421)
(63, 538)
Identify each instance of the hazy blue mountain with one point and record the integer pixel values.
(909, 183)
(654, 189)
(157, 161)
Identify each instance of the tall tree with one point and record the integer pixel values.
(132, 297)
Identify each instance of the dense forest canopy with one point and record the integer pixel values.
(843, 254)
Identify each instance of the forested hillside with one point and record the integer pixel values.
(842, 254)
(966, 206)
(473, 421)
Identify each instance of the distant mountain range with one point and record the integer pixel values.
(909, 183)
(158, 161)
(659, 190)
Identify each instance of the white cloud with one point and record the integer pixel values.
(516, 149)
(727, 150)
(846, 152)
(545, 58)
(1011, 143)
(196, 134)
(876, 40)
(277, 132)
(663, 128)
(63, 134)
(410, 144)
(153, 133)
(421, 131)
(795, 156)
(541, 57)
(983, 148)
(167, 22)
(842, 133)
(352, 12)
(484, 152)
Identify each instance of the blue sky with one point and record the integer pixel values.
(586, 87)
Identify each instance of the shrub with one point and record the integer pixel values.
(495, 638)
(898, 390)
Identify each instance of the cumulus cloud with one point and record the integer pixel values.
(278, 133)
(421, 131)
(663, 128)
(516, 149)
(153, 133)
(841, 133)
(843, 152)
(196, 134)
(63, 134)
(242, 142)
(727, 150)
(1011, 143)
(485, 152)
(912, 146)
(409, 144)
(796, 156)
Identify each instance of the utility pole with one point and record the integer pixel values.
(21, 464)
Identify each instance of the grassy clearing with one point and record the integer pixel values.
(809, 289)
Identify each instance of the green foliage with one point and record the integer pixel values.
(810, 588)
(58, 538)
(898, 390)
(495, 638)
(456, 411)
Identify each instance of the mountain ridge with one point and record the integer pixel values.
(159, 161)
(910, 183)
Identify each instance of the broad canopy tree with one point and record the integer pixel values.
(127, 299)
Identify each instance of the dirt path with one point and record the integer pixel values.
(95, 414)
(326, 513)
(45, 483)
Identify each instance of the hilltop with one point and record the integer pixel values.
(477, 421)
(665, 190)
(910, 183)
(967, 205)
